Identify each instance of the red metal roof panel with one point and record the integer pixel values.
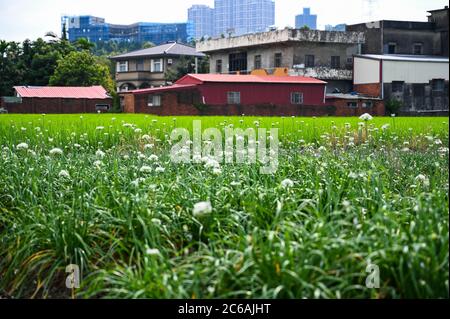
(92, 92)
(173, 87)
(228, 78)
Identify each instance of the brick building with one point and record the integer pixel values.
(214, 94)
(30, 99)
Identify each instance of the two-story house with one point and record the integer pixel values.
(148, 67)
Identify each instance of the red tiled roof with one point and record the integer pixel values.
(92, 92)
(172, 87)
(229, 78)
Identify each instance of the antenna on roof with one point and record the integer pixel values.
(369, 9)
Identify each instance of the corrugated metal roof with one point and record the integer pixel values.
(92, 92)
(173, 48)
(408, 58)
(229, 78)
(173, 87)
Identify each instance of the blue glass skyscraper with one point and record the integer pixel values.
(200, 21)
(306, 19)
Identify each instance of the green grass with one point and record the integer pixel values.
(361, 195)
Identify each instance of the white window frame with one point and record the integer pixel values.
(121, 64)
(233, 98)
(155, 100)
(156, 61)
(297, 98)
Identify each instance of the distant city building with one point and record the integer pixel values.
(239, 17)
(200, 21)
(339, 27)
(95, 29)
(306, 19)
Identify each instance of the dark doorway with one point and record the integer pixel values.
(238, 62)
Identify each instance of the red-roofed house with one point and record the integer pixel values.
(223, 94)
(33, 99)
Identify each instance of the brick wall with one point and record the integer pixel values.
(372, 89)
(55, 105)
(172, 107)
(342, 108)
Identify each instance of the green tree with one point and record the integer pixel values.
(84, 44)
(82, 69)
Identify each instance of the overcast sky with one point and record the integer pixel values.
(21, 19)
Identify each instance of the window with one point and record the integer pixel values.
(154, 100)
(392, 48)
(219, 66)
(397, 86)
(140, 65)
(352, 105)
(257, 62)
(234, 97)
(157, 66)
(169, 61)
(438, 85)
(122, 66)
(238, 62)
(418, 48)
(309, 61)
(335, 62)
(367, 104)
(296, 98)
(278, 60)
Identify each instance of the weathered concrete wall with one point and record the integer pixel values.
(419, 97)
(373, 42)
(405, 34)
(286, 35)
(293, 54)
(405, 40)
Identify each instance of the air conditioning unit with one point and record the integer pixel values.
(298, 66)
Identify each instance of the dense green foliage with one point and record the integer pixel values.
(81, 69)
(370, 193)
(36, 62)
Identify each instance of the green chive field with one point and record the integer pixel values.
(101, 192)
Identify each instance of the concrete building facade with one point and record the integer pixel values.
(324, 55)
(440, 19)
(406, 37)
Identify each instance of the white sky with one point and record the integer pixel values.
(21, 19)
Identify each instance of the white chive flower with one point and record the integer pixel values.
(202, 208)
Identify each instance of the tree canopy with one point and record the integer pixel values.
(81, 69)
